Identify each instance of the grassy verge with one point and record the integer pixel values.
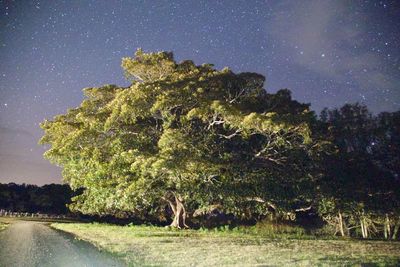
(3, 226)
(8, 220)
(157, 246)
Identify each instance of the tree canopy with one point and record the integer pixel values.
(192, 137)
(186, 140)
(364, 172)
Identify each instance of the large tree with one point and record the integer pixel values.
(185, 136)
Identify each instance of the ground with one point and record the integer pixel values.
(157, 246)
(30, 243)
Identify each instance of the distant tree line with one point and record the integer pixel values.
(186, 141)
(49, 199)
(358, 188)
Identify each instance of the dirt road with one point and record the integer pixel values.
(26, 243)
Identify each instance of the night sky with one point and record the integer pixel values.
(327, 53)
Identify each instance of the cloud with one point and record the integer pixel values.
(328, 38)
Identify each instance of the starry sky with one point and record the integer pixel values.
(327, 53)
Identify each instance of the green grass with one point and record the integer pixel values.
(3, 226)
(158, 246)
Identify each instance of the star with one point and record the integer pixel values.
(50, 50)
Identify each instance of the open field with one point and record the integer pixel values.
(157, 246)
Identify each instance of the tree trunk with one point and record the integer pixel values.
(395, 230)
(387, 227)
(366, 227)
(340, 224)
(179, 211)
(363, 228)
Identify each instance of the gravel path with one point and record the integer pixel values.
(26, 243)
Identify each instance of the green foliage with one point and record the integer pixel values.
(191, 137)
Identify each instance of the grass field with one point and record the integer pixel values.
(157, 246)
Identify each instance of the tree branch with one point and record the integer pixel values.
(231, 135)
